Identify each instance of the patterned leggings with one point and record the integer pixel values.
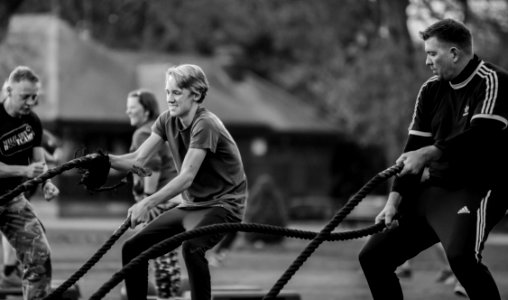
(168, 277)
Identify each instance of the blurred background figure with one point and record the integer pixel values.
(265, 206)
(219, 252)
(142, 110)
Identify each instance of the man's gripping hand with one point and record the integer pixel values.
(50, 191)
(390, 210)
(95, 172)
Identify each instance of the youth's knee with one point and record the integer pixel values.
(192, 248)
(368, 258)
(130, 250)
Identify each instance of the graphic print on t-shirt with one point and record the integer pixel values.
(17, 140)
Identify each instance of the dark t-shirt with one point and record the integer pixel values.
(18, 137)
(221, 180)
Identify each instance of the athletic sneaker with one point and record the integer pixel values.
(13, 280)
(459, 290)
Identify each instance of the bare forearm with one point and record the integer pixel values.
(430, 153)
(12, 171)
(394, 199)
(122, 162)
(176, 186)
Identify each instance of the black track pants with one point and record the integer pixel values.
(168, 224)
(459, 219)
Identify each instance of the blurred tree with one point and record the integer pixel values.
(7, 9)
(353, 59)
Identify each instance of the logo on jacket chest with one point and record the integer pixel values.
(466, 111)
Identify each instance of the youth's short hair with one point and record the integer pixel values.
(148, 101)
(190, 77)
(21, 73)
(450, 31)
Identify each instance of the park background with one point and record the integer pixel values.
(317, 94)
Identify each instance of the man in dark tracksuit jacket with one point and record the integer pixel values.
(446, 191)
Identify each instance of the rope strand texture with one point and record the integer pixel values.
(175, 241)
(29, 184)
(58, 292)
(325, 235)
(325, 232)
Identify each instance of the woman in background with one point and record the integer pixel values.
(142, 110)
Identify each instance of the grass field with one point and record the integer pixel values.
(331, 273)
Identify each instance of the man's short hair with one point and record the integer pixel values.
(22, 73)
(450, 31)
(190, 77)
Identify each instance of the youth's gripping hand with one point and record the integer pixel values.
(95, 172)
(389, 212)
(138, 213)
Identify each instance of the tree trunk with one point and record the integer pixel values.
(394, 17)
(7, 9)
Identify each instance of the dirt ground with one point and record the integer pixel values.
(331, 273)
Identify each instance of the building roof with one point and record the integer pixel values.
(85, 81)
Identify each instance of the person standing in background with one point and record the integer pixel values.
(143, 110)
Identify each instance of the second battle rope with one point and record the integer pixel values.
(175, 241)
(325, 234)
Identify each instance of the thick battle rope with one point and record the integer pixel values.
(29, 184)
(173, 242)
(325, 235)
(57, 293)
(325, 232)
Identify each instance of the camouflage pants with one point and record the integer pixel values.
(25, 233)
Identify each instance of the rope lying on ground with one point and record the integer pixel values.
(175, 241)
(325, 234)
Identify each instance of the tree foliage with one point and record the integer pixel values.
(357, 60)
